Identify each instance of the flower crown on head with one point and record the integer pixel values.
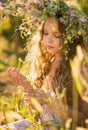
(32, 12)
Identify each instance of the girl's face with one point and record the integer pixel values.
(52, 37)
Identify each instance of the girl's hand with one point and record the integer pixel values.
(17, 78)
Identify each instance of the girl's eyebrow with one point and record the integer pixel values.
(57, 32)
(44, 29)
(53, 31)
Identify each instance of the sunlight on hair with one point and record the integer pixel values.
(79, 53)
(68, 123)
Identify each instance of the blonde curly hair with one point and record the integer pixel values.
(37, 61)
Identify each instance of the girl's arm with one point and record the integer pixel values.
(18, 79)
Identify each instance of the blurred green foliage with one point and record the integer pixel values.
(11, 44)
(84, 5)
(12, 108)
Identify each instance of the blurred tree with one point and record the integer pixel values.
(80, 3)
(3, 1)
(84, 5)
(13, 45)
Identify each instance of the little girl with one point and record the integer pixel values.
(47, 67)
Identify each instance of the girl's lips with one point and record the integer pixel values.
(49, 47)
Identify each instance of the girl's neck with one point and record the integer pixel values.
(55, 65)
(58, 57)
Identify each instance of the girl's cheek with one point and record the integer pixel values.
(45, 37)
(44, 40)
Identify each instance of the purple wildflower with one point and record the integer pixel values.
(35, 22)
(62, 20)
(28, 6)
(71, 13)
(72, 18)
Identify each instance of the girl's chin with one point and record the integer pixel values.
(50, 51)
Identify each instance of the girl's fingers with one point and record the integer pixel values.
(29, 94)
(8, 73)
(18, 79)
(13, 75)
(22, 81)
(27, 100)
(25, 83)
(12, 72)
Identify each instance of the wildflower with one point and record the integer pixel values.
(3, 16)
(66, 58)
(66, 52)
(84, 20)
(72, 18)
(62, 20)
(29, 32)
(71, 15)
(69, 38)
(71, 12)
(36, 1)
(0, 5)
(65, 42)
(35, 23)
(79, 33)
(28, 6)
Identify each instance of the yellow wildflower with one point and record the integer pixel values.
(65, 42)
(79, 33)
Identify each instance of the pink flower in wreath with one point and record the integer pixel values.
(62, 20)
(28, 6)
(36, 1)
(0, 5)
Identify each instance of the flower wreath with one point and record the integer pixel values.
(32, 12)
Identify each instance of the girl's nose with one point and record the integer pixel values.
(49, 39)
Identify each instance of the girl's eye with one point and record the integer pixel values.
(45, 32)
(58, 36)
